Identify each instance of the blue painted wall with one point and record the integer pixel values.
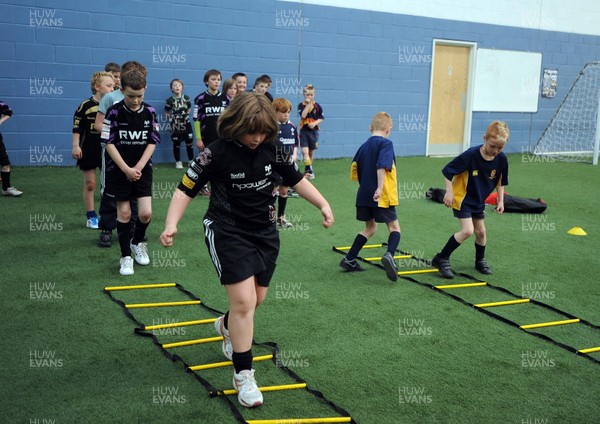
(360, 62)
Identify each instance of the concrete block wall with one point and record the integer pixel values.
(360, 62)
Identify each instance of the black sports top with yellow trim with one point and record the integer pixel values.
(474, 178)
(241, 182)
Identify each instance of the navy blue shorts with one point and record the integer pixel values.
(310, 139)
(468, 214)
(382, 215)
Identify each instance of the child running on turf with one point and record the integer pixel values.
(374, 167)
(288, 136)
(239, 225)
(470, 178)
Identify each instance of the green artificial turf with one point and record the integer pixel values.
(387, 352)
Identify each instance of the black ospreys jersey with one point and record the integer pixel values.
(83, 123)
(242, 189)
(207, 109)
(130, 131)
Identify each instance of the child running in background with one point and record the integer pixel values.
(470, 178)
(374, 167)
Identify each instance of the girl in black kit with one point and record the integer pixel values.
(239, 225)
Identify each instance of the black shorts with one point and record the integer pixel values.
(4, 161)
(384, 215)
(186, 135)
(310, 139)
(91, 156)
(239, 254)
(118, 187)
(468, 214)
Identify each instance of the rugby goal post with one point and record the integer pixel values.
(573, 133)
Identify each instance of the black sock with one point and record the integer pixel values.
(226, 320)
(124, 231)
(190, 151)
(451, 246)
(5, 180)
(139, 232)
(393, 242)
(281, 203)
(242, 361)
(359, 242)
(176, 152)
(479, 252)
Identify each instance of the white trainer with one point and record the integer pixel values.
(126, 265)
(248, 393)
(227, 347)
(12, 191)
(92, 223)
(140, 252)
(178, 165)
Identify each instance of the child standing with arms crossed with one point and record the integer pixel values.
(177, 108)
(131, 133)
(239, 225)
(86, 141)
(470, 178)
(374, 167)
(311, 115)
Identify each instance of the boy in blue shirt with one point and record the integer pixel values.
(470, 178)
(288, 137)
(374, 167)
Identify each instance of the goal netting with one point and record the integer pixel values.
(573, 133)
